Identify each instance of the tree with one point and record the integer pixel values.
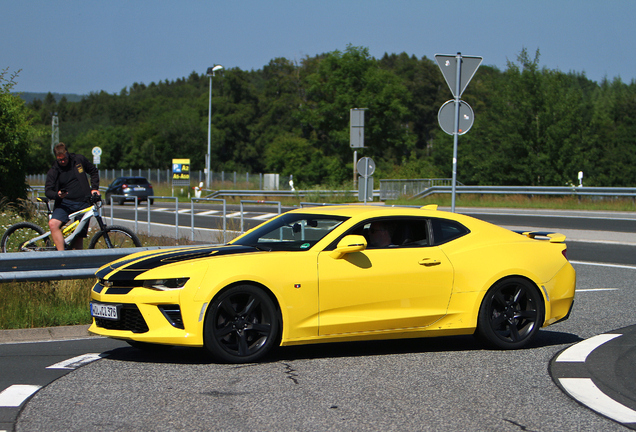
(15, 134)
(350, 79)
(292, 155)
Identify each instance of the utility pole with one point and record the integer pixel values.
(55, 133)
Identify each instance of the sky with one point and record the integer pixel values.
(83, 46)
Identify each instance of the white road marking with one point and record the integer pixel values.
(603, 265)
(580, 351)
(266, 216)
(209, 212)
(75, 362)
(16, 394)
(596, 289)
(236, 214)
(586, 392)
(184, 211)
(160, 209)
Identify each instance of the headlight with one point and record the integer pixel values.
(165, 284)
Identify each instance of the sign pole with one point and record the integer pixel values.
(462, 116)
(366, 182)
(456, 129)
(355, 174)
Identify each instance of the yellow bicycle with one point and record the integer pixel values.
(29, 237)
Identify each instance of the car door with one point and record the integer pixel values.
(381, 289)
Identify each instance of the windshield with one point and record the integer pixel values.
(291, 232)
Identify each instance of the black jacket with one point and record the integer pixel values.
(80, 166)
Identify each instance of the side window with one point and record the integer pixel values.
(391, 233)
(445, 230)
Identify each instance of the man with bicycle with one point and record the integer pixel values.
(67, 184)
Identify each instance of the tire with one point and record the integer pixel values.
(241, 325)
(152, 201)
(510, 314)
(120, 201)
(18, 234)
(120, 237)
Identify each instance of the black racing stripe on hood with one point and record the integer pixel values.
(163, 258)
(104, 271)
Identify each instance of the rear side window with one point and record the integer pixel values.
(445, 230)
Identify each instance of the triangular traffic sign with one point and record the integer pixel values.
(448, 65)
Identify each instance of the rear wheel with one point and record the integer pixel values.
(16, 237)
(511, 314)
(241, 325)
(120, 237)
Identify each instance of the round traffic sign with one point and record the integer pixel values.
(446, 117)
(366, 167)
(97, 151)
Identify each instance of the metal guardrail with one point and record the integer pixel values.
(74, 264)
(532, 190)
(394, 188)
(284, 193)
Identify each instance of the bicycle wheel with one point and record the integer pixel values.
(120, 237)
(17, 235)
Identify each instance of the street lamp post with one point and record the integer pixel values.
(210, 73)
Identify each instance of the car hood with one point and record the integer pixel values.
(132, 266)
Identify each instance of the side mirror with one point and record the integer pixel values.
(349, 244)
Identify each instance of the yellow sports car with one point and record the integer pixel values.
(339, 273)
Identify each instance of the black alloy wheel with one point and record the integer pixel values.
(511, 314)
(241, 325)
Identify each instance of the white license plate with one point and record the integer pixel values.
(106, 311)
(139, 189)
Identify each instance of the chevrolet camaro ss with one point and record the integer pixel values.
(339, 273)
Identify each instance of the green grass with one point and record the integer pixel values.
(50, 303)
(55, 303)
(44, 304)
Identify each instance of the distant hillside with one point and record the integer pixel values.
(30, 97)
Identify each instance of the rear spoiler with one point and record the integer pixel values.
(552, 236)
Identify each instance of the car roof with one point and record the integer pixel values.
(361, 211)
(352, 210)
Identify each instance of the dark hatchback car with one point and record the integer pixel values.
(128, 188)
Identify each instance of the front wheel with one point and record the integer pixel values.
(16, 239)
(119, 236)
(241, 325)
(511, 314)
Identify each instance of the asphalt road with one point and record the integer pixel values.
(448, 383)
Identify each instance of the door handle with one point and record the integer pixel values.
(429, 262)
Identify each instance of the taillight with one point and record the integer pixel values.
(565, 253)
(124, 186)
(149, 185)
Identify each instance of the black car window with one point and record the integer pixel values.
(445, 230)
(137, 181)
(291, 232)
(395, 232)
